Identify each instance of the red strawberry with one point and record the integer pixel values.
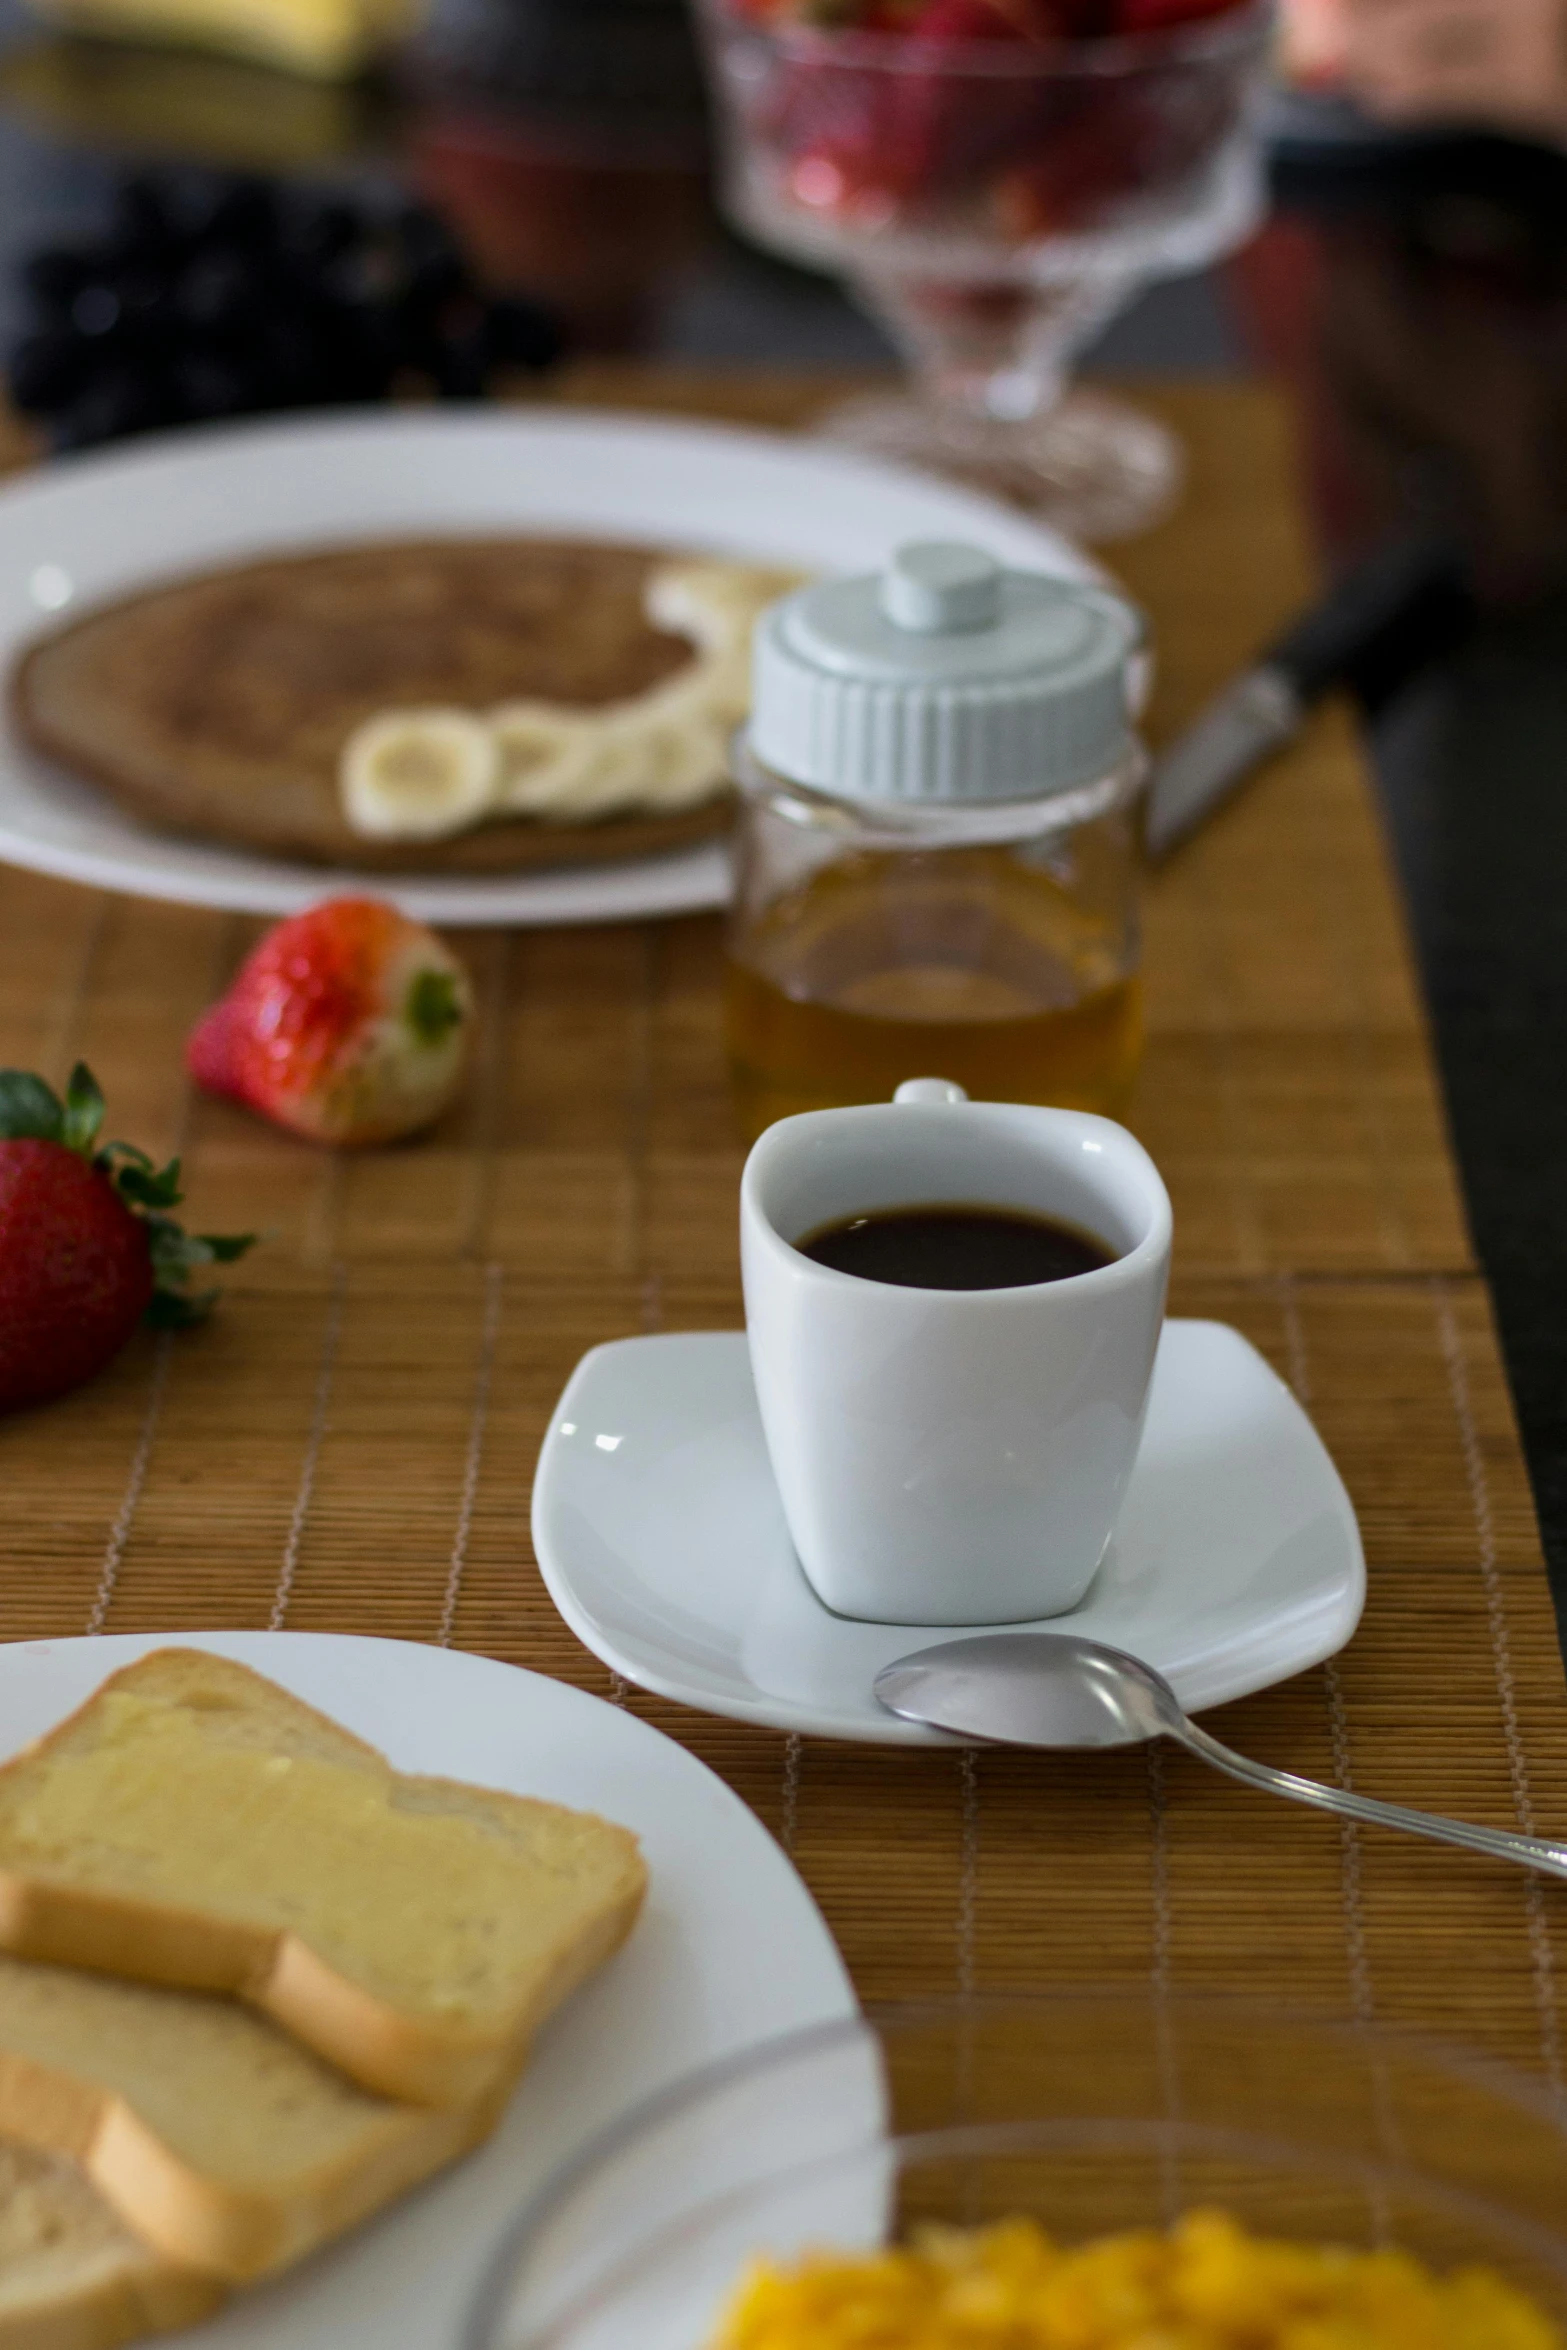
(87, 1246)
(1078, 172)
(1087, 20)
(348, 1024)
(1126, 137)
(1165, 16)
(966, 20)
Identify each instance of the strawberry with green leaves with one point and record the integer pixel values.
(88, 1245)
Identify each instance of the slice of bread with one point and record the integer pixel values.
(211, 2134)
(72, 2276)
(194, 1824)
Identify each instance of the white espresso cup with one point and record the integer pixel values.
(951, 1456)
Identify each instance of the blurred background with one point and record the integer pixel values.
(566, 142)
(1408, 284)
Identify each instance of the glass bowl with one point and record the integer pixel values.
(994, 203)
(1087, 2114)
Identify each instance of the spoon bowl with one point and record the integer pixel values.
(1030, 1689)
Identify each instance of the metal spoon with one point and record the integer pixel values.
(1049, 1689)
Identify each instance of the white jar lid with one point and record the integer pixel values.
(943, 678)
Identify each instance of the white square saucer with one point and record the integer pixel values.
(1236, 1562)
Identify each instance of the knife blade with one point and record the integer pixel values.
(1382, 621)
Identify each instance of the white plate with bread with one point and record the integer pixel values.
(308, 1980)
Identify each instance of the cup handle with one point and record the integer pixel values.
(929, 1089)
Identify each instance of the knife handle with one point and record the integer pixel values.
(1378, 621)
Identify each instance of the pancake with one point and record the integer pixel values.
(218, 706)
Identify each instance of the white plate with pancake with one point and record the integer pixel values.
(90, 529)
(730, 1949)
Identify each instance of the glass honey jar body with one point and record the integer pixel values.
(989, 939)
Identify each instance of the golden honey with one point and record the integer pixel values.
(1008, 972)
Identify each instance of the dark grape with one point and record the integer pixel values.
(522, 334)
(245, 218)
(432, 283)
(458, 365)
(146, 297)
(211, 296)
(325, 234)
(359, 354)
(286, 356)
(47, 369)
(368, 274)
(204, 386)
(114, 404)
(424, 236)
(213, 289)
(195, 198)
(55, 276)
(97, 310)
(143, 212)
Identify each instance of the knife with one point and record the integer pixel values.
(1380, 623)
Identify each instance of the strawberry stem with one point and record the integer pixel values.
(433, 1008)
(83, 1112)
(29, 1109)
(139, 1183)
(176, 1255)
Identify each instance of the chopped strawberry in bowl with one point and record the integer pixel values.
(925, 117)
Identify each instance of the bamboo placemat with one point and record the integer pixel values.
(350, 1444)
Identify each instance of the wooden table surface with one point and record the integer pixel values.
(349, 1445)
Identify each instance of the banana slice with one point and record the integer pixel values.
(672, 759)
(542, 750)
(726, 682)
(423, 774)
(686, 728)
(418, 774)
(690, 763)
(714, 603)
(717, 605)
(614, 776)
(663, 750)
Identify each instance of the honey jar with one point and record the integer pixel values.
(936, 852)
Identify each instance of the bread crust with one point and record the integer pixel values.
(424, 2059)
(72, 2277)
(174, 768)
(211, 2225)
(123, 2307)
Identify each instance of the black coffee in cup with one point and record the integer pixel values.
(956, 1246)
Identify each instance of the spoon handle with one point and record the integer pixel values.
(1532, 1852)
